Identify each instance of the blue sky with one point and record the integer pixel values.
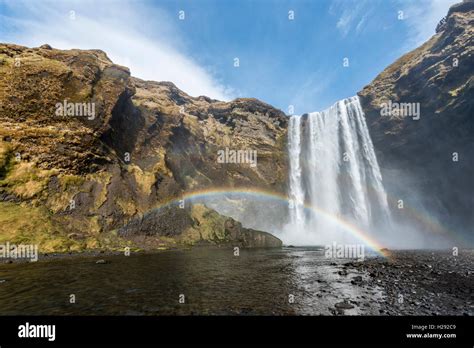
(282, 62)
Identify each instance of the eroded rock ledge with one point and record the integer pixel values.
(197, 225)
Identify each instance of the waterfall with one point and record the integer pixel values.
(333, 167)
(296, 192)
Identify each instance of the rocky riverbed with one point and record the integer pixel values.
(421, 282)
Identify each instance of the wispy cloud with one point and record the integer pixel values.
(351, 15)
(344, 23)
(361, 24)
(422, 16)
(143, 38)
(311, 89)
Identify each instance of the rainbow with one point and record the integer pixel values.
(426, 220)
(429, 222)
(262, 194)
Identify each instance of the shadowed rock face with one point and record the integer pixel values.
(147, 143)
(416, 156)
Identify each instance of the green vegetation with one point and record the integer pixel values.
(20, 178)
(23, 224)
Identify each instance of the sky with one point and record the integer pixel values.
(289, 52)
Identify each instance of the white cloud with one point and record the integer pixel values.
(310, 90)
(344, 23)
(361, 24)
(144, 39)
(422, 16)
(351, 14)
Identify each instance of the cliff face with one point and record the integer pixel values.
(428, 162)
(85, 148)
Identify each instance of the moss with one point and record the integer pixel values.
(24, 224)
(92, 243)
(210, 225)
(104, 179)
(128, 207)
(70, 185)
(6, 156)
(109, 241)
(94, 227)
(68, 181)
(24, 179)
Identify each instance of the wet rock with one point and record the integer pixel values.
(344, 305)
(448, 292)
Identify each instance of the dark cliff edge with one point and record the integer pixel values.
(428, 163)
(71, 182)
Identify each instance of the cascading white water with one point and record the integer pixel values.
(296, 193)
(333, 167)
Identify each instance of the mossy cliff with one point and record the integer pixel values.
(71, 181)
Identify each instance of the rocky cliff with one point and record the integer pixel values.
(427, 159)
(86, 149)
